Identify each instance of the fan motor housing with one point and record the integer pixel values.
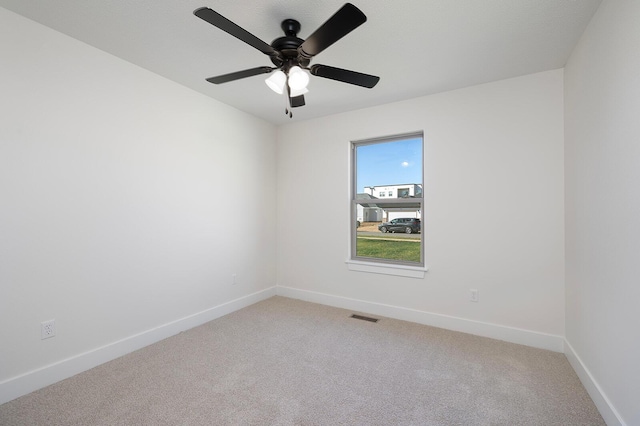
(288, 45)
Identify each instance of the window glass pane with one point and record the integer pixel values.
(385, 166)
(398, 239)
(388, 175)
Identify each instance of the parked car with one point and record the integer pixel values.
(408, 225)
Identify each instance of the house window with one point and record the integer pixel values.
(395, 236)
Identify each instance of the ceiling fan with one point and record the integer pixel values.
(292, 55)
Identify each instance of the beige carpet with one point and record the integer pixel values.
(288, 362)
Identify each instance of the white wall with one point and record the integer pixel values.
(123, 204)
(493, 220)
(602, 96)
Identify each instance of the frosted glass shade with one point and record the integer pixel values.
(298, 92)
(276, 82)
(298, 79)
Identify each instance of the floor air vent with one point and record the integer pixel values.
(363, 318)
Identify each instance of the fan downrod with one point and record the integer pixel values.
(291, 27)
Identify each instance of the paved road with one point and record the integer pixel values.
(396, 235)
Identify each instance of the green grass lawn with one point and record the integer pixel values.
(385, 249)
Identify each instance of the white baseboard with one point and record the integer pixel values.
(21, 385)
(494, 331)
(607, 410)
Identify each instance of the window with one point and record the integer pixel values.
(390, 232)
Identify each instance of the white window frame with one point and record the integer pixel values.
(376, 265)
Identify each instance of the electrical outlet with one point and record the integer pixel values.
(47, 329)
(475, 295)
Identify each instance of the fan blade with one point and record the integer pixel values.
(297, 101)
(217, 20)
(346, 76)
(345, 20)
(239, 74)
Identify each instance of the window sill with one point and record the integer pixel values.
(387, 269)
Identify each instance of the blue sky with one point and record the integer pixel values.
(389, 163)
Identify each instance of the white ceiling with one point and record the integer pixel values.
(417, 47)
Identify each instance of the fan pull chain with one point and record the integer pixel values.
(288, 110)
